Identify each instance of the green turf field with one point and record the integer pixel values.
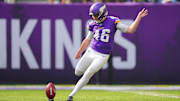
(91, 95)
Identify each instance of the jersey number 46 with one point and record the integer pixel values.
(104, 36)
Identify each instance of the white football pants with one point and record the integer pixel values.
(91, 62)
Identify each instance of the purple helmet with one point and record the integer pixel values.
(98, 9)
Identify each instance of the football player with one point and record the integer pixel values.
(101, 39)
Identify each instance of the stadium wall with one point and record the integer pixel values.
(38, 43)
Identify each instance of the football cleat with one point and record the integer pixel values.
(70, 98)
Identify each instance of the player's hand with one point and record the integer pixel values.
(143, 13)
(77, 55)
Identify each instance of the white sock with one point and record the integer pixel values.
(82, 82)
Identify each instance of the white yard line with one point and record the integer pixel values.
(154, 94)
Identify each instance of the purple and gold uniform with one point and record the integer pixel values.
(100, 37)
(103, 34)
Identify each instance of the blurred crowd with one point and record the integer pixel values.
(86, 1)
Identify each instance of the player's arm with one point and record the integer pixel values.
(132, 28)
(84, 45)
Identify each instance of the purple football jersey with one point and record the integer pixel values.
(103, 34)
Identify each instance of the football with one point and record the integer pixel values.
(50, 90)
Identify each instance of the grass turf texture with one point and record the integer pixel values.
(91, 95)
